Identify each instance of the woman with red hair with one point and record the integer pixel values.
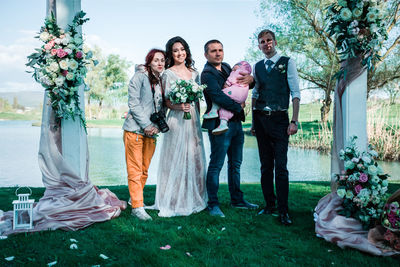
(145, 101)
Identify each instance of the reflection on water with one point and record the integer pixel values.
(19, 143)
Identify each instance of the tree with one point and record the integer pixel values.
(301, 33)
(108, 78)
(393, 90)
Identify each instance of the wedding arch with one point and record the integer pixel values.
(64, 152)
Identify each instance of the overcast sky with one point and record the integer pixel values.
(129, 28)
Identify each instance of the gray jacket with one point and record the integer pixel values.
(140, 103)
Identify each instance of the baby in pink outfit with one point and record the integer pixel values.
(235, 91)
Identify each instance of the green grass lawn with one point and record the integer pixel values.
(16, 116)
(240, 239)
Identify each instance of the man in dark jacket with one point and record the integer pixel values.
(230, 143)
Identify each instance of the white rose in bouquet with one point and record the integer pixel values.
(73, 64)
(70, 76)
(54, 67)
(64, 64)
(341, 192)
(60, 80)
(44, 36)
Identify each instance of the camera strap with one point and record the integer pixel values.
(153, 92)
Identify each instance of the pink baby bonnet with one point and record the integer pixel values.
(244, 66)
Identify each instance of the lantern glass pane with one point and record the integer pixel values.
(22, 217)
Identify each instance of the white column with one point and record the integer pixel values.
(354, 107)
(74, 141)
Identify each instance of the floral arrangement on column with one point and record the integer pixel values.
(60, 66)
(358, 28)
(362, 186)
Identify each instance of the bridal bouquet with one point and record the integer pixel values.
(183, 91)
(59, 65)
(363, 186)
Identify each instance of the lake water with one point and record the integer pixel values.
(19, 144)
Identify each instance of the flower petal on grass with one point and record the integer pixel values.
(179, 227)
(223, 229)
(10, 258)
(73, 246)
(166, 247)
(104, 257)
(187, 253)
(73, 240)
(52, 263)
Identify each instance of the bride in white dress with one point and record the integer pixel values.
(181, 188)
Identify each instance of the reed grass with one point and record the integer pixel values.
(383, 130)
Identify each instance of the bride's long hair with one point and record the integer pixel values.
(149, 58)
(169, 60)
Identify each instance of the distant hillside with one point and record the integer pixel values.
(25, 98)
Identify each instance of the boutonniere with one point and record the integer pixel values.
(281, 68)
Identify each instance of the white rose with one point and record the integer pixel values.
(70, 76)
(348, 165)
(57, 41)
(64, 64)
(65, 41)
(71, 46)
(349, 194)
(341, 192)
(366, 159)
(44, 36)
(54, 67)
(372, 170)
(73, 64)
(85, 48)
(60, 80)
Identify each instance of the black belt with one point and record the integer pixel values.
(271, 112)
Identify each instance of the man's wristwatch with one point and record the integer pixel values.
(295, 122)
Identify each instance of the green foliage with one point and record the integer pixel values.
(4, 105)
(108, 79)
(300, 28)
(240, 239)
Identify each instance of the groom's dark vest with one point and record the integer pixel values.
(273, 88)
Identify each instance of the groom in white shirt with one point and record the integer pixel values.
(276, 80)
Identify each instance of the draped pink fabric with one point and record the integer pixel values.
(70, 202)
(335, 228)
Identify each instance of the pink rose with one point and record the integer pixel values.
(358, 188)
(61, 53)
(79, 54)
(363, 178)
(64, 73)
(53, 52)
(49, 45)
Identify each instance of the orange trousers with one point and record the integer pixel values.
(139, 150)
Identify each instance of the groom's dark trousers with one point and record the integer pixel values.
(229, 143)
(273, 140)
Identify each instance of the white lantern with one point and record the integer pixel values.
(23, 211)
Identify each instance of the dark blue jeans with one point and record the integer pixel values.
(231, 144)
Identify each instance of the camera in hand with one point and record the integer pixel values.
(158, 118)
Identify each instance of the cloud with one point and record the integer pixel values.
(93, 40)
(20, 86)
(14, 56)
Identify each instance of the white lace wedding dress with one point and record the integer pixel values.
(181, 181)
